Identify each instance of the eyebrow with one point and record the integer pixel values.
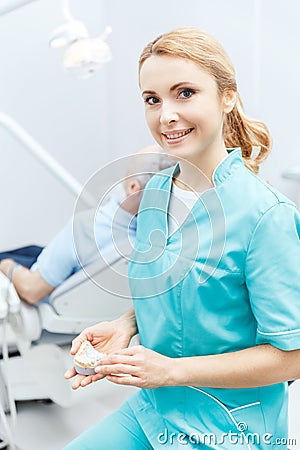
(173, 88)
(148, 92)
(182, 83)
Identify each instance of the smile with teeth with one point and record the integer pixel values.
(177, 135)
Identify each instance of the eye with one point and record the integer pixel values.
(151, 100)
(186, 93)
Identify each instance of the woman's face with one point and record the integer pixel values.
(183, 109)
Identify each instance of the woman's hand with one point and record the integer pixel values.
(137, 366)
(106, 337)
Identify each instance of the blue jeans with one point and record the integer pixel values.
(26, 256)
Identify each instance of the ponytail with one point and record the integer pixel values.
(240, 131)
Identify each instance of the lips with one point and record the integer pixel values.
(176, 134)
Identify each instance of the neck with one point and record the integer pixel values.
(129, 205)
(197, 173)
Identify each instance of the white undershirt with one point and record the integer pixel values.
(181, 203)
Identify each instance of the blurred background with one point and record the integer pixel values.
(84, 124)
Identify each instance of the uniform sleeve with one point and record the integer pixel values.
(58, 260)
(272, 274)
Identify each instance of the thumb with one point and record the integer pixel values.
(76, 343)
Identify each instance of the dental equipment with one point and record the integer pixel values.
(11, 309)
(9, 5)
(9, 305)
(40, 333)
(47, 160)
(76, 304)
(84, 55)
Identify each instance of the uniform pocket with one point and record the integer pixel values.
(237, 428)
(250, 420)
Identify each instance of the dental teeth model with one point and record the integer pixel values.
(86, 359)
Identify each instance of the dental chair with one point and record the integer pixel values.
(42, 333)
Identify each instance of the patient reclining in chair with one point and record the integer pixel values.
(60, 259)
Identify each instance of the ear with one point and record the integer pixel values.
(229, 101)
(134, 186)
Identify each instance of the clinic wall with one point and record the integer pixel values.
(143, 24)
(262, 38)
(66, 116)
(85, 124)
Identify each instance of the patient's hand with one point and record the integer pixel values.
(30, 286)
(106, 337)
(5, 265)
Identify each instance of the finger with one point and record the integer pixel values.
(77, 381)
(117, 369)
(70, 373)
(128, 381)
(116, 358)
(86, 335)
(131, 351)
(76, 343)
(91, 379)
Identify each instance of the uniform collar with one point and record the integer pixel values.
(228, 165)
(225, 168)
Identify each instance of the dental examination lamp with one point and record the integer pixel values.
(84, 55)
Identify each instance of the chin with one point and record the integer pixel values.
(180, 154)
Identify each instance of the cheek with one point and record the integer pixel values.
(152, 121)
(207, 116)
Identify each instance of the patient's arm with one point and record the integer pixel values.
(106, 337)
(30, 286)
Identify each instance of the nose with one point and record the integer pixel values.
(168, 113)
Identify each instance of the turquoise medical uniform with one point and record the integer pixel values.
(226, 280)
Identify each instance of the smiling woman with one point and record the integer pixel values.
(214, 274)
(185, 118)
(203, 67)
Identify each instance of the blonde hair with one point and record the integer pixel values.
(201, 48)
